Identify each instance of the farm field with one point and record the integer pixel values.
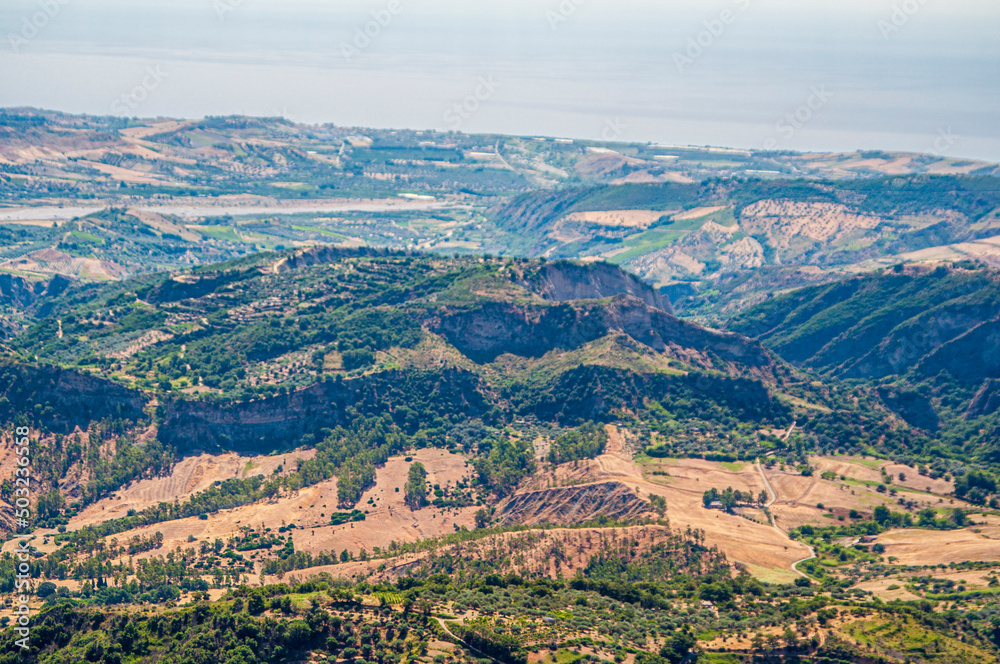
(744, 541)
(387, 518)
(190, 476)
(920, 547)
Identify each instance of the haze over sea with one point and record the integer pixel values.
(914, 75)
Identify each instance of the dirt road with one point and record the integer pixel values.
(774, 524)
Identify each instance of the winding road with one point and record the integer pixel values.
(774, 524)
(463, 643)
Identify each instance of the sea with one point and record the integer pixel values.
(805, 75)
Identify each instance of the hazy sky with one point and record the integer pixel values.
(796, 74)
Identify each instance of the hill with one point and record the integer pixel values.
(696, 239)
(411, 427)
(889, 323)
(924, 339)
(276, 351)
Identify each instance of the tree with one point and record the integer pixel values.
(242, 654)
(255, 603)
(716, 592)
(416, 486)
(927, 518)
(882, 515)
(976, 496)
(586, 442)
(659, 503)
(299, 633)
(355, 359)
(728, 499)
(678, 647)
(50, 504)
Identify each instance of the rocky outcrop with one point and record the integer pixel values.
(20, 293)
(574, 505)
(487, 331)
(914, 407)
(970, 358)
(986, 401)
(888, 323)
(920, 339)
(309, 257)
(60, 400)
(565, 280)
(281, 422)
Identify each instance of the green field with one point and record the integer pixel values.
(227, 233)
(644, 243)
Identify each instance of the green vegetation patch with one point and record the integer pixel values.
(904, 635)
(644, 243)
(227, 233)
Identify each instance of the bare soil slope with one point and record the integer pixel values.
(742, 540)
(192, 475)
(574, 505)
